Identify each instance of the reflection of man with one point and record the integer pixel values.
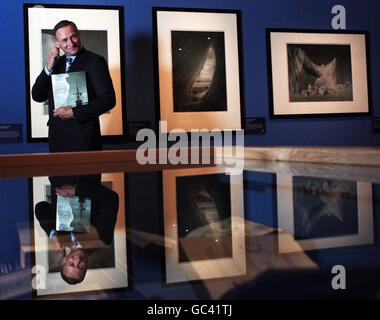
(74, 266)
(73, 248)
(75, 129)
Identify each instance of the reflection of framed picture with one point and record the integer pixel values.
(315, 73)
(319, 213)
(101, 30)
(203, 224)
(198, 68)
(107, 265)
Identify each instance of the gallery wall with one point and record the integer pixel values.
(139, 67)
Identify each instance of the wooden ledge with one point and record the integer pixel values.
(91, 162)
(93, 157)
(364, 156)
(22, 165)
(41, 159)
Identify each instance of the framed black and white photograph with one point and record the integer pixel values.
(319, 213)
(203, 225)
(198, 68)
(317, 73)
(101, 29)
(107, 263)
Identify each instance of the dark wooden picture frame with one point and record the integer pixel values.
(98, 279)
(198, 78)
(318, 73)
(306, 221)
(185, 192)
(102, 31)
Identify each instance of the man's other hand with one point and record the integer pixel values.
(66, 191)
(64, 113)
(53, 55)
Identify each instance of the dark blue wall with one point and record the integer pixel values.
(139, 72)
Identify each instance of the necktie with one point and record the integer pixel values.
(74, 242)
(69, 61)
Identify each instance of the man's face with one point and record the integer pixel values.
(68, 39)
(75, 264)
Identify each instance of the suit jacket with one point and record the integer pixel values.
(104, 206)
(83, 132)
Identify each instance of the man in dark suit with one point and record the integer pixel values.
(104, 209)
(78, 128)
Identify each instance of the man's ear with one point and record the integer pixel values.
(57, 45)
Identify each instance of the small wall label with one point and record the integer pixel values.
(255, 125)
(11, 133)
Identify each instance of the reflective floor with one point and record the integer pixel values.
(275, 230)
